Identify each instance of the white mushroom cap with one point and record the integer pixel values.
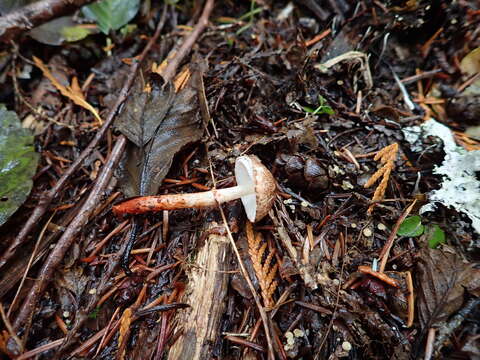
(251, 173)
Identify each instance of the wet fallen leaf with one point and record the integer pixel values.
(62, 29)
(112, 14)
(411, 227)
(441, 283)
(18, 163)
(145, 109)
(159, 123)
(436, 236)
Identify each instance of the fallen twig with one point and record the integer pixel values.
(93, 301)
(388, 245)
(56, 256)
(47, 198)
(261, 310)
(173, 64)
(27, 17)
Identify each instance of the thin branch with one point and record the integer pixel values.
(103, 285)
(261, 310)
(388, 245)
(56, 256)
(174, 63)
(27, 17)
(47, 198)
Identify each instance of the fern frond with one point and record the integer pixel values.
(387, 157)
(262, 264)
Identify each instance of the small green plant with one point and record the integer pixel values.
(250, 16)
(412, 227)
(323, 107)
(94, 313)
(435, 237)
(111, 14)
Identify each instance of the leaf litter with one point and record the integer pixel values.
(18, 163)
(317, 129)
(159, 122)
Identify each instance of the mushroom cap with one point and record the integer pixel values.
(250, 171)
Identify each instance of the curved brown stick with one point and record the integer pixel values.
(74, 227)
(47, 198)
(27, 17)
(63, 244)
(186, 47)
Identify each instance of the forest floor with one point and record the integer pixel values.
(365, 112)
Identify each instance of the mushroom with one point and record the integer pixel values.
(256, 188)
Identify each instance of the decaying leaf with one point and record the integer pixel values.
(441, 283)
(159, 122)
(145, 109)
(470, 65)
(72, 92)
(18, 163)
(60, 30)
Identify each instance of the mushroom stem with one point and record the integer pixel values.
(144, 204)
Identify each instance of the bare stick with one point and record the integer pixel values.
(65, 241)
(429, 344)
(207, 290)
(261, 309)
(173, 64)
(388, 245)
(27, 17)
(56, 256)
(102, 287)
(47, 198)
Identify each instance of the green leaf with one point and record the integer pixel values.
(327, 110)
(308, 109)
(112, 14)
(59, 30)
(75, 33)
(250, 14)
(411, 227)
(323, 107)
(18, 163)
(94, 313)
(128, 29)
(436, 237)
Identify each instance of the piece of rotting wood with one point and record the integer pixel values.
(206, 294)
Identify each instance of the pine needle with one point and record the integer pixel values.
(387, 157)
(264, 270)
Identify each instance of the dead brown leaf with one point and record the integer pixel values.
(158, 123)
(73, 92)
(442, 279)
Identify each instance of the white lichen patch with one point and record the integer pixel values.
(460, 188)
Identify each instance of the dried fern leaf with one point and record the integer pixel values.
(387, 157)
(262, 264)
